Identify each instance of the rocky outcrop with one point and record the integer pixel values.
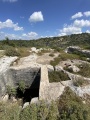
(26, 74)
(11, 75)
(72, 49)
(5, 77)
(73, 68)
(26, 71)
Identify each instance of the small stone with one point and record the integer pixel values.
(5, 98)
(34, 100)
(25, 104)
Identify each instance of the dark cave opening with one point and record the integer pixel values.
(30, 92)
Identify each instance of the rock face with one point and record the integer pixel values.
(72, 49)
(27, 70)
(74, 68)
(5, 77)
(25, 105)
(24, 74)
(34, 100)
(12, 75)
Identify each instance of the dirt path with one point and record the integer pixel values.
(45, 58)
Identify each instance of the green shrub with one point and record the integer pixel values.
(2, 53)
(53, 113)
(51, 55)
(84, 69)
(57, 76)
(41, 111)
(9, 111)
(23, 51)
(29, 113)
(12, 52)
(11, 91)
(21, 86)
(71, 107)
(55, 61)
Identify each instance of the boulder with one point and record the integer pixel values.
(74, 68)
(58, 68)
(5, 98)
(50, 68)
(25, 104)
(34, 100)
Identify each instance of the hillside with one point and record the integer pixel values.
(45, 79)
(82, 40)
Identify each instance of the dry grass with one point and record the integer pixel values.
(84, 70)
(24, 51)
(80, 82)
(57, 76)
(1, 53)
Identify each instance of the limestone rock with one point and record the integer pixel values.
(5, 98)
(34, 100)
(50, 68)
(74, 68)
(58, 68)
(25, 104)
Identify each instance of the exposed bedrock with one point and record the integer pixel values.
(11, 76)
(26, 74)
(73, 49)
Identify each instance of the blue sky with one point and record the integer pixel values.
(32, 19)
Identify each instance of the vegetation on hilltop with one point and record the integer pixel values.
(54, 42)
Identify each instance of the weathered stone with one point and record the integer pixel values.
(58, 68)
(25, 104)
(50, 68)
(34, 100)
(44, 83)
(13, 99)
(5, 98)
(74, 68)
(72, 49)
(5, 78)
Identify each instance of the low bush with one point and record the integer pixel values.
(71, 107)
(84, 69)
(42, 111)
(12, 52)
(51, 55)
(43, 51)
(24, 51)
(80, 82)
(11, 91)
(9, 111)
(57, 76)
(22, 86)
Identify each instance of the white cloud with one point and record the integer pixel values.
(82, 23)
(10, 1)
(10, 36)
(36, 17)
(77, 15)
(87, 13)
(24, 36)
(70, 30)
(30, 35)
(9, 24)
(87, 31)
(77, 26)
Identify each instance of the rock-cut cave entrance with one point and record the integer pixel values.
(32, 91)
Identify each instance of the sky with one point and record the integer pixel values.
(33, 19)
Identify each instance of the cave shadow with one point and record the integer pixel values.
(32, 91)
